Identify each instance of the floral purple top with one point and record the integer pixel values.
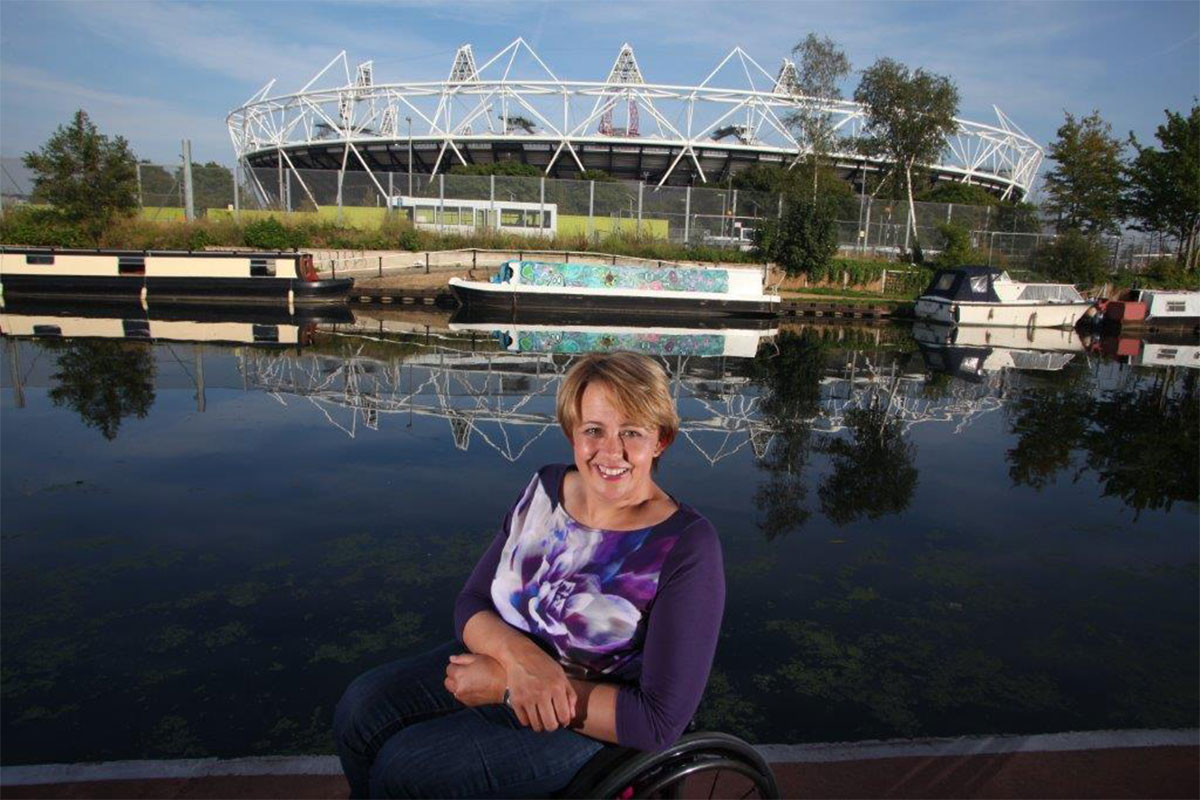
(641, 608)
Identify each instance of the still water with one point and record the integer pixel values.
(202, 543)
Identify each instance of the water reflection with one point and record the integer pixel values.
(909, 551)
(103, 381)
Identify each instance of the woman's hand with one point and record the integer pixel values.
(475, 680)
(540, 694)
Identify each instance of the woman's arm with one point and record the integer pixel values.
(539, 691)
(476, 679)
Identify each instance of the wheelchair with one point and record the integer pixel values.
(700, 764)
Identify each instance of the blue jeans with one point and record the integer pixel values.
(399, 733)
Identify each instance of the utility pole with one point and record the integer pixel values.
(410, 164)
(189, 206)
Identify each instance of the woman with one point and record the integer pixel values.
(591, 618)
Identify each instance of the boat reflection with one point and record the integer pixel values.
(972, 353)
(1159, 350)
(516, 337)
(258, 325)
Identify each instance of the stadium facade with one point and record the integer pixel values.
(513, 107)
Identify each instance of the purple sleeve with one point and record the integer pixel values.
(476, 595)
(681, 639)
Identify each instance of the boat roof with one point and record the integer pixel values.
(975, 269)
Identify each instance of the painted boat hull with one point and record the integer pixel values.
(176, 289)
(999, 315)
(505, 304)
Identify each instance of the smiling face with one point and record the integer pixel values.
(614, 454)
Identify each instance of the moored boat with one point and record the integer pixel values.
(988, 296)
(167, 276)
(1151, 310)
(668, 290)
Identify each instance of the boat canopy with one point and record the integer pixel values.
(965, 284)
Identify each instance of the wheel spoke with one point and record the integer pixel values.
(716, 774)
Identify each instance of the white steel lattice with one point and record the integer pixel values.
(353, 119)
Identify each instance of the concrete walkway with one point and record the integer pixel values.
(1100, 764)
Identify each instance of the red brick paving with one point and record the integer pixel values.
(1146, 772)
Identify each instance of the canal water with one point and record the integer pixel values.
(207, 535)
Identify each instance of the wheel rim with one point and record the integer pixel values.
(730, 779)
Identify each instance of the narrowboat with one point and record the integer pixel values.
(988, 296)
(167, 276)
(619, 290)
(1150, 310)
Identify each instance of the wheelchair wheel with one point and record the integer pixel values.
(707, 765)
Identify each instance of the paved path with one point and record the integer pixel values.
(1103, 764)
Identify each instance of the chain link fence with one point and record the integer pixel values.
(582, 211)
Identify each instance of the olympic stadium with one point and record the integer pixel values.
(514, 107)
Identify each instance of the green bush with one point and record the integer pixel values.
(271, 234)
(43, 227)
(956, 247)
(1074, 257)
(964, 194)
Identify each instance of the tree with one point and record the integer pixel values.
(908, 117)
(965, 194)
(1075, 257)
(1163, 185)
(505, 168)
(212, 185)
(85, 175)
(822, 66)
(805, 239)
(1084, 189)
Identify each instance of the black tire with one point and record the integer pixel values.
(663, 773)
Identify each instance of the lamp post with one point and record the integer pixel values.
(410, 166)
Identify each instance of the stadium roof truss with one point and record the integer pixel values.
(514, 104)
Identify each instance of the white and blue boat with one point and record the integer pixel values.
(667, 291)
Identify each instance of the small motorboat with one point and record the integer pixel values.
(988, 296)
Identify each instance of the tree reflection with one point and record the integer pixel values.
(104, 381)
(1141, 440)
(1050, 424)
(873, 472)
(1143, 443)
(790, 388)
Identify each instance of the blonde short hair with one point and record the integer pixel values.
(638, 384)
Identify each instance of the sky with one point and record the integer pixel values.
(159, 72)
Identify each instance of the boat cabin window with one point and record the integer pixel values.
(262, 267)
(136, 328)
(41, 259)
(979, 284)
(1168, 353)
(945, 282)
(266, 333)
(1176, 306)
(131, 265)
(47, 330)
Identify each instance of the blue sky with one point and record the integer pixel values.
(157, 72)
